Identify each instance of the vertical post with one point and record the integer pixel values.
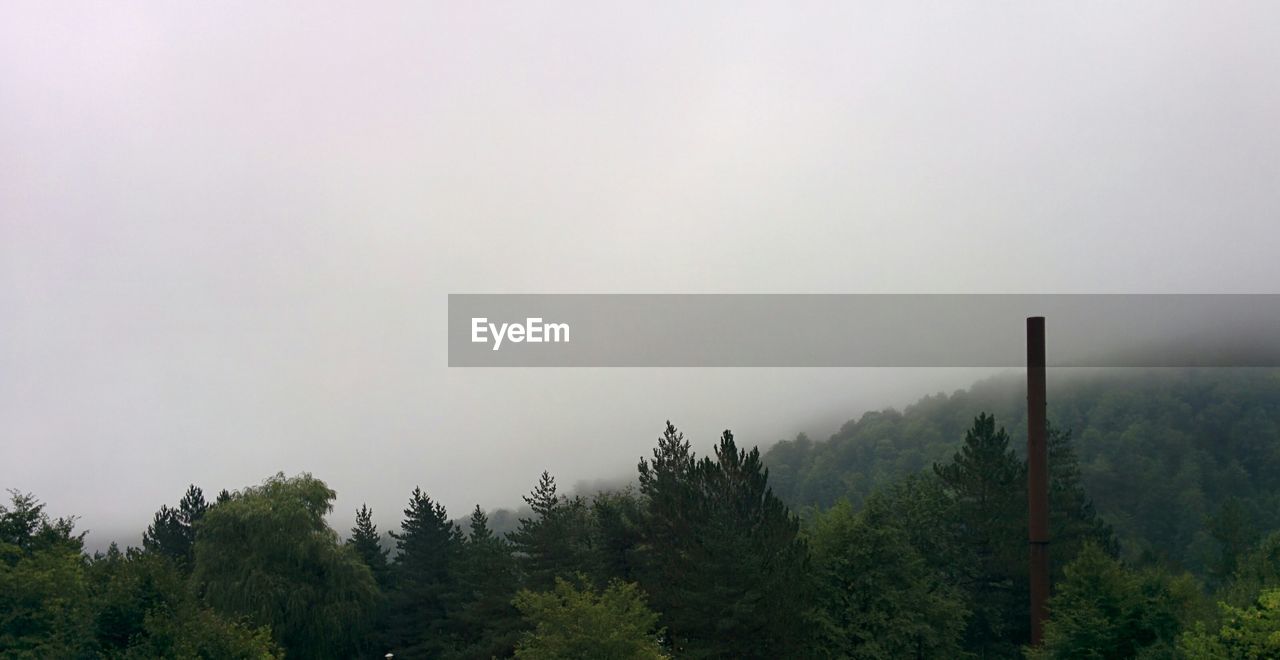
(1037, 478)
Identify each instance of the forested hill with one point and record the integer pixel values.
(1165, 455)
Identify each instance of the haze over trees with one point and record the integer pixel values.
(904, 536)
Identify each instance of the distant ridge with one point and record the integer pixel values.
(1160, 451)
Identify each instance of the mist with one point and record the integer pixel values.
(228, 233)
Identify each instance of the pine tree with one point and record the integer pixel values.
(722, 556)
(616, 522)
(671, 510)
(557, 540)
(1073, 520)
(172, 532)
(986, 485)
(755, 564)
(489, 623)
(668, 483)
(425, 579)
(368, 545)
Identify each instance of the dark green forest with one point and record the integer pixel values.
(901, 536)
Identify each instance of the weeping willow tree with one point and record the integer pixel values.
(268, 555)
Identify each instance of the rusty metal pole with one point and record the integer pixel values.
(1037, 478)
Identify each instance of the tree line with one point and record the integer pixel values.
(1183, 464)
(699, 559)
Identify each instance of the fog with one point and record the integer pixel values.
(227, 232)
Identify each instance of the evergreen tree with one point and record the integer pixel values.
(534, 539)
(425, 590)
(617, 520)
(671, 511)
(721, 554)
(1160, 451)
(1073, 520)
(669, 486)
(172, 532)
(489, 622)
(368, 545)
(986, 484)
(557, 540)
(754, 566)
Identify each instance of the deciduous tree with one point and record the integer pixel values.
(268, 555)
(578, 623)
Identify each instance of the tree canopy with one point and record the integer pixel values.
(920, 551)
(267, 554)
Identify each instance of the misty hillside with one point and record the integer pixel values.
(1162, 454)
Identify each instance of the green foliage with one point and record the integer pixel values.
(557, 541)
(911, 561)
(1256, 571)
(1251, 633)
(25, 525)
(1073, 520)
(721, 555)
(617, 519)
(172, 533)
(144, 609)
(1104, 610)
(985, 484)
(268, 555)
(367, 544)
(1158, 451)
(193, 633)
(55, 604)
(672, 511)
(44, 610)
(881, 598)
(425, 577)
(571, 623)
(1232, 527)
(489, 623)
(126, 586)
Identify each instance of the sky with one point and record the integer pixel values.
(228, 230)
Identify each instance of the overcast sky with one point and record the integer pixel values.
(227, 230)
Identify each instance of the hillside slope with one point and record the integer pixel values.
(1168, 456)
